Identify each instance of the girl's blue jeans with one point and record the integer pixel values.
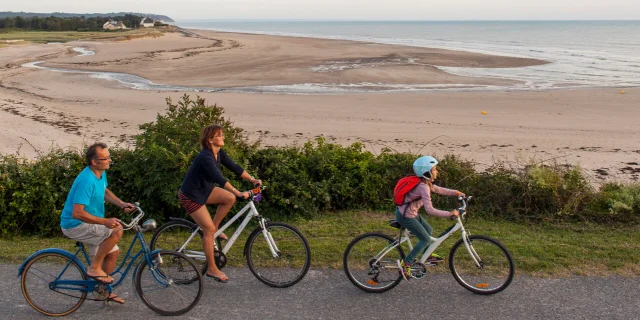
(421, 229)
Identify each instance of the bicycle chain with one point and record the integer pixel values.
(68, 295)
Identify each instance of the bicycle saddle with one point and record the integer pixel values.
(394, 223)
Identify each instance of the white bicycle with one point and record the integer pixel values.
(277, 253)
(479, 263)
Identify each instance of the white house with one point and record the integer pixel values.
(147, 22)
(113, 25)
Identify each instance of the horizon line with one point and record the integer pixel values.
(399, 20)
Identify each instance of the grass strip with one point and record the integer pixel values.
(543, 250)
(66, 36)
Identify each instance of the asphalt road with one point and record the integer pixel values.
(328, 294)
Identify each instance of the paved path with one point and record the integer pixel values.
(328, 294)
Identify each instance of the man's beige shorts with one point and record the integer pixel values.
(91, 235)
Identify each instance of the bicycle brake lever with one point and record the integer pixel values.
(251, 194)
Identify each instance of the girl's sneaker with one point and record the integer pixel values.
(434, 258)
(405, 269)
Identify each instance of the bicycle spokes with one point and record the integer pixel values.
(278, 255)
(42, 286)
(370, 262)
(483, 265)
(170, 285)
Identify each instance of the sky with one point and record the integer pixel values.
(348, 9)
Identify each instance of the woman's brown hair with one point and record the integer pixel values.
(207, 133)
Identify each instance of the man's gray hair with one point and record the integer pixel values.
(92, 151)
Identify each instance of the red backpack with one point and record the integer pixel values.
(404, 186)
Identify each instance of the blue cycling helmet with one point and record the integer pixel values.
(422, 166)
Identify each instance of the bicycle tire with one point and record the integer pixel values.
(497, 267)
(38, 275)
(172, 271)
(173, 234)
(359, 262)
(292, 263)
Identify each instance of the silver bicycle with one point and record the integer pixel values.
(479, 263)
(277, 253)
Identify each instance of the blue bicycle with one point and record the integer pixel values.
(55, 281)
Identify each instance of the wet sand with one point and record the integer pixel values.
(596, 128)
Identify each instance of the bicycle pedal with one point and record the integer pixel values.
(418, 270)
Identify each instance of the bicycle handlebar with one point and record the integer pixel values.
(464, 202)
(252, 193)
(135, 220)
(463, 210)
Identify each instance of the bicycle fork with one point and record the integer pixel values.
(472, 252)
(267, 235)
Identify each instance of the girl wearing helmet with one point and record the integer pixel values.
(407, 214)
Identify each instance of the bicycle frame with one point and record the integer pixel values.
(436, 242)
(252, 212)
(89, 285)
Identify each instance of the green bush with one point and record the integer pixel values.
(301, 180)
(32, 194)
(616, 201)
(322, 176)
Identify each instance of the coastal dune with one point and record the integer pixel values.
(595, 128)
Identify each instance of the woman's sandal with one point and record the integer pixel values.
(219, 279)
(223, 236)
(115, 298)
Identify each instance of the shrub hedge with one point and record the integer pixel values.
(300, 180)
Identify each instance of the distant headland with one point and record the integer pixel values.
(158, 17)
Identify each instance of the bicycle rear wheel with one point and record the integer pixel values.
(40, 290)
(493, 270)
(172, 235)
(367, 265)
(292, 260)
(171, 285)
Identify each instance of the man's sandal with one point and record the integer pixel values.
(114, 297)
(101, 279)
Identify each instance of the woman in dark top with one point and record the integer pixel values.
(204, 184)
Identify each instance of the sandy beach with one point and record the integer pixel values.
(595, 128)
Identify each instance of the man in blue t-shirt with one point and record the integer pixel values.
(83, 218)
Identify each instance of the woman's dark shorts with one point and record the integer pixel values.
(187, 203)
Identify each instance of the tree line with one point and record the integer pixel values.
(65, 24)
(7, 14)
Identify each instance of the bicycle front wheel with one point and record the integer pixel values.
(485, 267)
(40, 288)
(370, 262)
(171, 285)
(289, 261)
